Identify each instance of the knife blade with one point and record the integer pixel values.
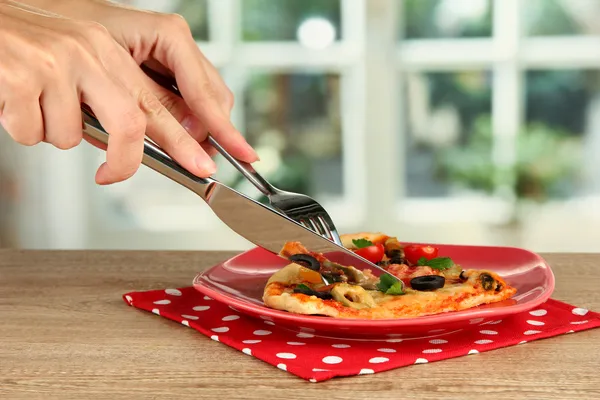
(254, 221)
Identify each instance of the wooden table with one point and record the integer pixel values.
(65, 333)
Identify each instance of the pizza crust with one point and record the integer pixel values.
(455, 297)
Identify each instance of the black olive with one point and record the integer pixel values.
(310, 292)
(428, 282)
(395, 253)
(306, 261)
(499, 287)
(397, 260)
(462, 276)
(487, 281)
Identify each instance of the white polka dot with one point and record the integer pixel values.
(535, 323)
(366, 371)
(484, 341)
(319, 370)
(571, 332)
(421, 361)
(220, 329)
(313, 380)
(230, 318)
(162, 302)
(332, 360)
(531, 332)
(269, 322)
(246, 350)
(186, 323)
(378, 360)
(305, 335)
(287, 356)
(129, 299)
(207, 298)
(261, 332)
(432, 351)
(296, 343)
(473, 352)
(173, 292)
(282, 367)
(579, 322)
(486, 332)
(155, 311)
(523, 342)
(438, 341)
(386, 350)
(580, 311)
(394, 340)
(437, 330)
(192, 317)
(340, 346)
(215, 338)
(476, 321)
(201, 308)
(251, 341)
(538, 313)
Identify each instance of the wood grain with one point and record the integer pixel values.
(66, 334)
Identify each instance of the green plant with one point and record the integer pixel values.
(545, 166)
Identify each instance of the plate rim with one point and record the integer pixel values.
(387, 323)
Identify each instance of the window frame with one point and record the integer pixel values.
(371, 60)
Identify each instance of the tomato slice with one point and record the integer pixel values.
(414, 252)
(373, 253)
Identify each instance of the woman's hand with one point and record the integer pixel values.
(49, 64)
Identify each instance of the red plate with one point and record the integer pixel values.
(239, 283)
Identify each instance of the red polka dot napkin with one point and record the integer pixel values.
(317, 359)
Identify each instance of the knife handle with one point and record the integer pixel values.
(154, 157)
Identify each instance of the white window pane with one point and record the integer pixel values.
(425, 19)
(313, 22)
(293, 120)
(561, 17)
(560, 145)
(448, 142)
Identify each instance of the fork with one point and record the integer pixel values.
(298, 207)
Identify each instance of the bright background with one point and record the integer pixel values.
(455, 121)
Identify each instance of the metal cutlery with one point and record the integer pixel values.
(268, 228)
(299, 207)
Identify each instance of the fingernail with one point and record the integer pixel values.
(207, 166)
(252, 152)
(190, 124)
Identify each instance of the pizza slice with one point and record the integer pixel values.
(424, 285)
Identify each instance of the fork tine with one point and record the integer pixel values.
(317, 227)
(331, 231)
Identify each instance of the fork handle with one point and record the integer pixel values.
(245, 168)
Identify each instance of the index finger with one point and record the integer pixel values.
(187, 63)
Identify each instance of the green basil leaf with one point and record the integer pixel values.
(361, 243)
(386, 282)
(439, 263)
(395, 289)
